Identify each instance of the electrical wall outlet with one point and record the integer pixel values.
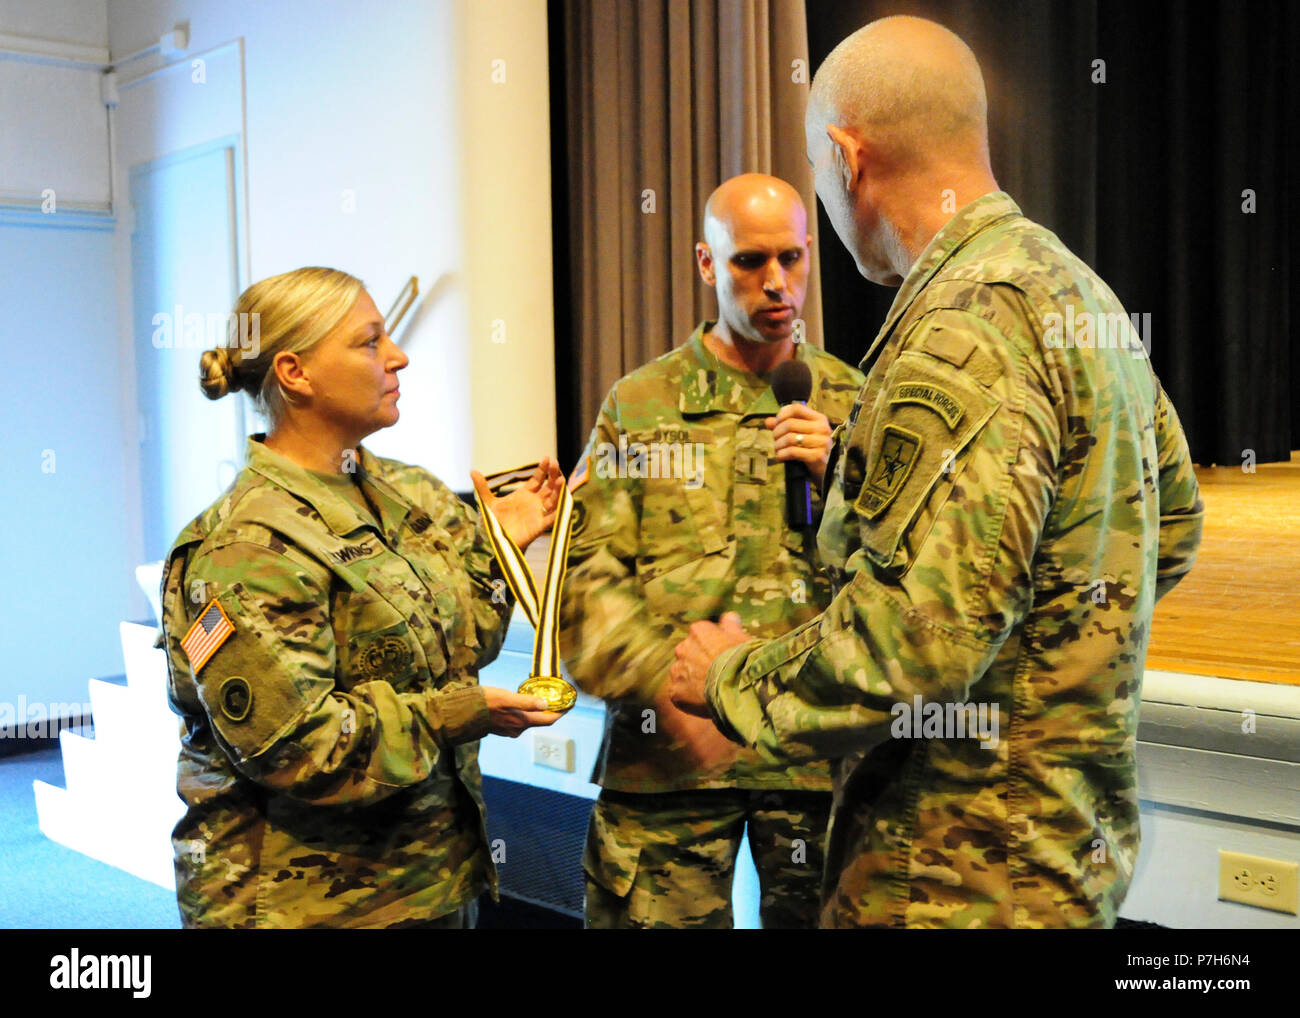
(553, 751)
(1265, 883)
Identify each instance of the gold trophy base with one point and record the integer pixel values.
(557, 693)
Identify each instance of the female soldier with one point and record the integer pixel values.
(325, 623)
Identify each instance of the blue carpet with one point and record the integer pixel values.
(47, 886)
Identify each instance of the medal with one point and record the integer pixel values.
(544, 613)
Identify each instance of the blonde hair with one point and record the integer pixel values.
(288, 313)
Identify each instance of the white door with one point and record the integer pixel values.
(185, 281)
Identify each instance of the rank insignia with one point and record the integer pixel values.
(210, 630)
(899, 449)
(236, 698)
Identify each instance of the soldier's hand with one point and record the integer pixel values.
(710, 751)
(802, 434)
(528, 511)
(704, 642)
(513, 713)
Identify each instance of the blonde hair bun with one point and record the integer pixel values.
(217, 373)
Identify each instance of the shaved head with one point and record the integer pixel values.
(907, 81)
(747, 198)
(755, 256)
(897, 135)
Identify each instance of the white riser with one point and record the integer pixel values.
(120, 804)
(146, 667)
(95, 768)
(136, 842)
(123, 715)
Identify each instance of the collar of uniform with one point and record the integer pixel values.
(709, 386)
(393, 508)
(338, 513)
(972, 219)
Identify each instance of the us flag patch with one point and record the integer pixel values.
(209, 632)
(579, 477)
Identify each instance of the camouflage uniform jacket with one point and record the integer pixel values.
(329, 759)
(1006, 503)
(652, 554)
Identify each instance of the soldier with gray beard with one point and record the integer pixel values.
(1005, 505)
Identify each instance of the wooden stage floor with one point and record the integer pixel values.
(1235, 614)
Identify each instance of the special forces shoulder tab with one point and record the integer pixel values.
(929, 395)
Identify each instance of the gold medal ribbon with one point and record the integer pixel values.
(543, 612)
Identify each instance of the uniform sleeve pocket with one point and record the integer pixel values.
(915, 446)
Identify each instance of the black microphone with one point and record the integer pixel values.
(792, 383)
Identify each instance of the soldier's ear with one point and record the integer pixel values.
(288, 368)
(704, 259)
(846, 155)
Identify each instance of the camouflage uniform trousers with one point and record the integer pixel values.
(665, 860)
(463, 918)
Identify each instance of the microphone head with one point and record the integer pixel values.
(792, 382)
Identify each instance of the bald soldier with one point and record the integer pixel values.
(680, 502)
(1006, 502)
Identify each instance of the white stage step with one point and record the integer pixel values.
(120, 804)
(107, 832)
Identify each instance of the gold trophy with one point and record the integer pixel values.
(544, 614)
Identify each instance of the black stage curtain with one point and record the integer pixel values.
(1143, 177)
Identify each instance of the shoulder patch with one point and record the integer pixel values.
(210, 630)
(579, 518)
(236, 698)
(899, 449)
